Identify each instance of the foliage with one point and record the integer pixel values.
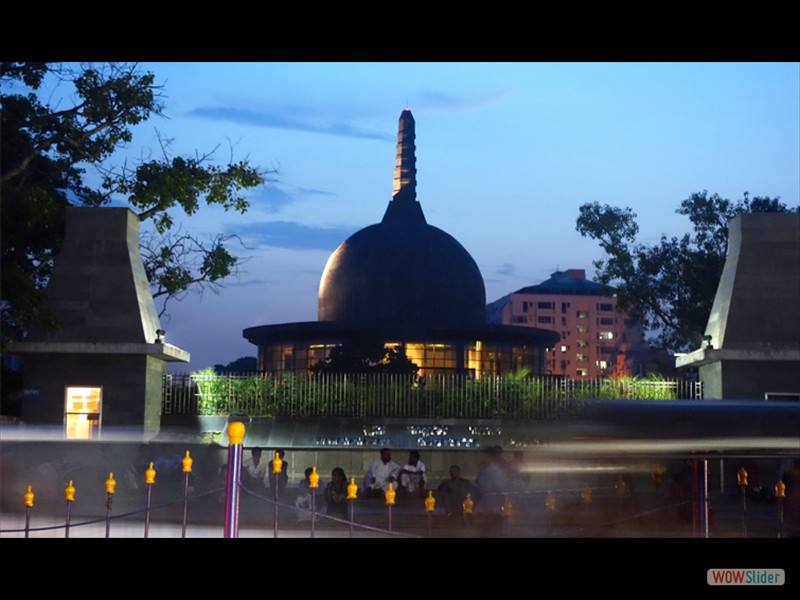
(402, 395)
(669, 286)
(212, 392)
(59, 121)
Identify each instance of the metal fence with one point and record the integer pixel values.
(389, 395)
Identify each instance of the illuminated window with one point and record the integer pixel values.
(606, 335)
(581, 328)
(581, 357)
(83, 410)
(582, 314)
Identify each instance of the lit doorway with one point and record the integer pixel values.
(83, 411)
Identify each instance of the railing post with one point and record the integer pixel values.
(69, 495)
(187, 470)
(149, 480)
(236, 433)
(27, 498)
(110, 488)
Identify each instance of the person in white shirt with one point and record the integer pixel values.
(254, 470)
(412, 475)
(380, 474)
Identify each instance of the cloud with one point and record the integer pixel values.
(506, 269)
(244, 116)
(435, 99)
(275, 196)
(291, 235)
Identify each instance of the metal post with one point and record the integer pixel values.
(69, 493)
(28, 499)
(149, 480)
(780, 494)
(390, 497)
(236, 433)
(352, 494)
(277, 467)
(430, 506)
(187, 469)
(741, 477)
(703, 499)
(110, 487)
(313, 485)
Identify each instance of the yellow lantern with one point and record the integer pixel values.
(187, 463)
(430, 502)
(352, 489)
(150, 475)
(69, 492)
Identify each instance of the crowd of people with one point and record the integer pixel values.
(485, 497)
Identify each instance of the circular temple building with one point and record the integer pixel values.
(404, 283)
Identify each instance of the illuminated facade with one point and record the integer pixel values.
(596, 339)
(404, 282)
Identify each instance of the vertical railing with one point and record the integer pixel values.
(389, 395)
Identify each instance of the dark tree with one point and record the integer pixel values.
(245, 364)
(669, 286)
(61, 125)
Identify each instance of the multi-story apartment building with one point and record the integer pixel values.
(596, 339)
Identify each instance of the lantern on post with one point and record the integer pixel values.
(69, 496)
(186, 463)
(780, 494)
(111, 486)
(149, 480)
(741, 480)
(27, 498)
(313, 485)
(352, 494)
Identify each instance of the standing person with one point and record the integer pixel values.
(493, 483)
(454, 491)
(336, 494)
(380, 474)
(411, 477)
(254, 470)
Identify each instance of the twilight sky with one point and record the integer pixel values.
(506, 153)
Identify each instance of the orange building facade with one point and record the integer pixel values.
(596, 338)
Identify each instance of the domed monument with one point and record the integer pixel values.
(406, 283)
(402, 270)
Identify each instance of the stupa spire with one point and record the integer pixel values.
(404, 205)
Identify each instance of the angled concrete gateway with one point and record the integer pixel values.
(404, 282)
(105, 364)
(751, 347)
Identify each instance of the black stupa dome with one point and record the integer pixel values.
(402, 270)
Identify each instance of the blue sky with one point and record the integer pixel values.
(506, 153)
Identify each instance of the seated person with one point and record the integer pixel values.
(380, 474)
(336, 494)
(412, 475)
(454, 491)
(254, 471)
